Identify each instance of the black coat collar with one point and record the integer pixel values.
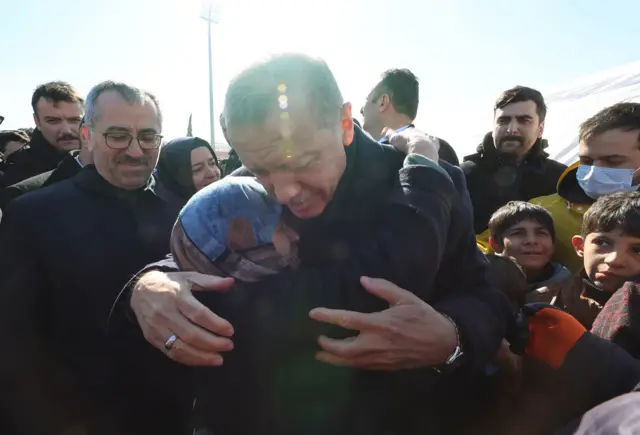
(41, 149)
(90, 179)
(487, 153)
(67, 168)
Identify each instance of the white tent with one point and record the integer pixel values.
(570, 105)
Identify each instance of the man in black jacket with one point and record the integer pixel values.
(357, 212)
(65, 253)
(57, 112)
(511, 164)
(393, 104)
(70, 165)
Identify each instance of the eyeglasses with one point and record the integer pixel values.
(121, 141)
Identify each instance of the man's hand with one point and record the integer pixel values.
(414, 141)
(409, 334)
(164, 306)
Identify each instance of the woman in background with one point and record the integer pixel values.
(185, 165)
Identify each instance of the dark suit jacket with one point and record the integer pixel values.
(66, 252)
(409, 225)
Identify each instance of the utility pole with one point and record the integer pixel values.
(211, 19)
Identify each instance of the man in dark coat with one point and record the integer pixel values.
(357, 212)
(57, 112)
(66, 252)
(393, 104)
(510, 163)
(73, 162)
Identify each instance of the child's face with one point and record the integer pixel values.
(530, 244)
(610, 258)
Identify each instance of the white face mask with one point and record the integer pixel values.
(597, 182)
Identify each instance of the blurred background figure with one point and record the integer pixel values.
(11, 141)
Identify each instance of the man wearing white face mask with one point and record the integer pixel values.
(609, 150)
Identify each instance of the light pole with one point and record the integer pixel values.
(211, 19)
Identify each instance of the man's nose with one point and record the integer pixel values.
(512, 128)
(67, 128)
(134, 149)
(285, 187)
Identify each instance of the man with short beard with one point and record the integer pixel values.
(66, 252)
(57, 113)
(510, 163)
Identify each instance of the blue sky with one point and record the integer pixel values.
(464, 51)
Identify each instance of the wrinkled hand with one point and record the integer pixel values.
(409, 334)
(164, 306)
(414, 141)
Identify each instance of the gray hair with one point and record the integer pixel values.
(130, 94)
(256, 91)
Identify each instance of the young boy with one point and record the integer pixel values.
(610, 248)
(525, 232)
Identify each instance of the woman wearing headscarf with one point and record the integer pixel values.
(185, 165)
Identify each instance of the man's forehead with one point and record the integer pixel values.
(63, 109)
(521, 108)
(116, 111)
(282, 128)
(612, 142)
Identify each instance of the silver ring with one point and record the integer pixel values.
(170, 342)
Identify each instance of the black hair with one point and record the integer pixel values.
(403, 89)
(623, 116)
(515, 212)
(618, 211)
(56, 92)
(519, 94)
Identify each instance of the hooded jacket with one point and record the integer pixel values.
(492, 182)
(547, 289)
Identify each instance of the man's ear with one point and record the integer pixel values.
(85, 134)
(578, 244)
(36, 120)
(346, 120)
(540, 130)
(384, 102)
(498, 248)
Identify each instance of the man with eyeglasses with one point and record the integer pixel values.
(66, 252)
